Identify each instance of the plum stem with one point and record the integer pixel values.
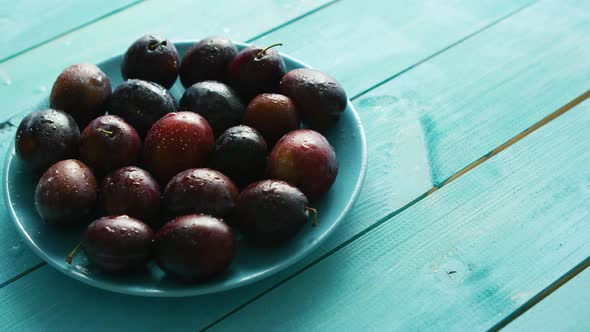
(153, 46)
(73, 253)
(108, 132)
(261, 53)
(314, 219)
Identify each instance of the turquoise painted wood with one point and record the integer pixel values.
(567, 309)
(223, 302)
(74, 48)
(385, 37)
(26, 24)
(312, 23)
(379, 107)
(462, 258)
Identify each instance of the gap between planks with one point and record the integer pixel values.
(515, 314)
(569, 275)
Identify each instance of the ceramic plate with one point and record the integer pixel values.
(250, 263)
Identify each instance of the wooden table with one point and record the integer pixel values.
(475, 213)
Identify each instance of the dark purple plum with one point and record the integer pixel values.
(272, 115)
(46, 137)
(256, 70)
(271, 212)
(207, 60)
(151, 58)
(83, 91)
(218, 103)
(108, 143)
(240, 153)
(66, 193)
(304, 158)
(118, 244)
(194, 247)
(318, 96)
(177, 142)
(200, 191)
(132, 191)
(141, 104)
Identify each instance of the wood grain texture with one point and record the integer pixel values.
(362, 45)
(26, 24)
(29, 71)
(462, 258)
(567, 309)
(402, 143)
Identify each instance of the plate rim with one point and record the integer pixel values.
(191, 290)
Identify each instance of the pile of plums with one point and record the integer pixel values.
(176, 181)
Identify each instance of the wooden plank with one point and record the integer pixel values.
(567, 309)
(74, 48)
(462, 258)
(416, 30)
(27, 24)
(401, 143)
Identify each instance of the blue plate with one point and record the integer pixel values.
(250, 263)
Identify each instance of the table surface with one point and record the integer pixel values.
(475, 213)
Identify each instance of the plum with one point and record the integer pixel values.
(272, 115)
(194, 247)
(305, 159)
(132, 191)
(108, 143)
(271, 212)
(46, 137)
(201, 191)
(207, 60)
(318, 96)
(240, 153)
(177, 142)
(66, 193)
(151, 58)
(256, 70)
(83, 91)
(118, 244)
(141, 103)
(218, 103)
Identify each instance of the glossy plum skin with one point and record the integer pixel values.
(108, 143)
(151, 58)
(177, 142)
(217, 102)
(207, 60)
(66, 193)
(83, 91)
(305, 159)
(200, 191)
(46, 137)
(251, 75)
(240, 153)
(141, 103)
(131, 191)
(118, 244)
(194, 247)
(271, 212)
(318, 96)
(272, 115)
